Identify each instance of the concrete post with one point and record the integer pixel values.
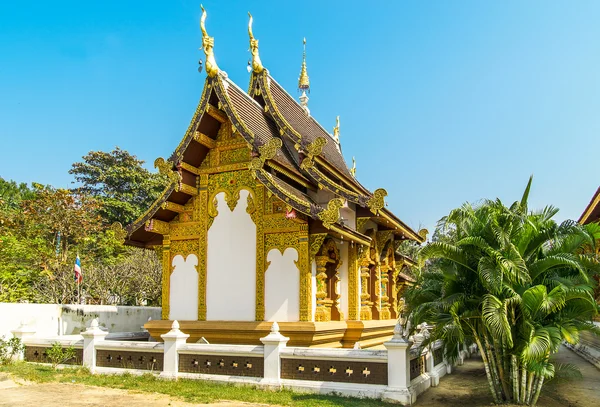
(173, 340)
(399, 389)
(91, 337)
(430, 367)
(23, 332)
(273, 344)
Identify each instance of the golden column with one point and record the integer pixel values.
(385, 304)
(323, 311)
(166, 275)
(365, 304)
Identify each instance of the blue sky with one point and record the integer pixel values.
(441, 102)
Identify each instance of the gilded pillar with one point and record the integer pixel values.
(258, 218)
(365, 304)
(353, 281)
(394, 300)
(385, 305)
(323, 311)
(166, 275)
(305, 278)
(201, 214)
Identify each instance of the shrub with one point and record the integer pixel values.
(9, 348)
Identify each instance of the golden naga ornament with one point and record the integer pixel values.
(208, 44)
(423, 234)
(267, 152)
(316, 147)
(331, 215)
(377, 201)
(257, 66)
(353, 169)
(336, 130)
(166, 168)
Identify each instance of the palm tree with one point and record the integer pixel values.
(512, 281)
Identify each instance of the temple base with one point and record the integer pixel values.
(334, 334)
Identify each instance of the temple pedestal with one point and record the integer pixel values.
(334, 334)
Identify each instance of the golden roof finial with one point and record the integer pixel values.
(353, 170)
(303, 81)
(208, 44)
(336, 129)
(256, 63)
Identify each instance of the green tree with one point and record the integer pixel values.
(120, 182)
(514, 282)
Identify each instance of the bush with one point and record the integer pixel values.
(58, 355)
(9, 349)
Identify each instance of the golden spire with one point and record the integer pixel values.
(303, 81)
(353, 170)
(256, 63)
(336, 130)
(207, 45)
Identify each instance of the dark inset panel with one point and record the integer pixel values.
(438, 356)
(417, 367)
(38, 354)
(130, 360)
(222, 365)
(334, 371)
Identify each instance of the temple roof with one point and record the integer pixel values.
(592, 210)
(291, 154)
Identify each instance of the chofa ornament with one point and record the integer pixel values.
(208, 44)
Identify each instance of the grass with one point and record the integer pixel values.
(196, 391)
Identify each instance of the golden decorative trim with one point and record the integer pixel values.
(187, 189)
(166, 276)
(377, 201)
(258, 214)
(397, 225)
(315, 243)
(215, 113)
(281, 169)
(360, 223)
(173, 207)
(332, 214)
(157, 226)
(353, 278)
(204, 140)
(189, 168)
(257, 66)
(166, 168)
(208, 44)
(201, 215)
(267, 151)
(224, 168)
(349, 235)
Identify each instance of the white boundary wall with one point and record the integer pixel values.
(56, 319)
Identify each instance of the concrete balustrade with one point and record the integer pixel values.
(383, 374)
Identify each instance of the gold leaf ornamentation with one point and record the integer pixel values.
(166, 168)
(331, 215)
(377, 201)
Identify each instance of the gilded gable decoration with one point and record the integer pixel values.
(208, 44)
(377, 202)
(332, 214)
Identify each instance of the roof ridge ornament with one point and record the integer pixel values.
(353, 169)
(304, 82)
(336, 130)
(331, 214)
(257, 66)
(377, 202)
(208, 44)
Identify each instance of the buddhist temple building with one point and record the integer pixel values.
(592, 211)
(263, 221)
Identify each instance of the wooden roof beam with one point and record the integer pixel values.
(215, 113)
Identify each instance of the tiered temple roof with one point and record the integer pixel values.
(289, 152)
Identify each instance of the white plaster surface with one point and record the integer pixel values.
(231, 263)
(68, 319)
(183, 292)
(282, 286)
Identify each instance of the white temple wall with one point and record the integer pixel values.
(183, 292)
(343, 282)
(313, 282)
(348, 214)
(282, 286)
(231, 263)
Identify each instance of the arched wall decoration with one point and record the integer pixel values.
(282, 286)
(183, 285)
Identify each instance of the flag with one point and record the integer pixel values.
(77, 270)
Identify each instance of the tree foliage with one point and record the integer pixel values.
(43, 229)
(514, 282)
(119, 182)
